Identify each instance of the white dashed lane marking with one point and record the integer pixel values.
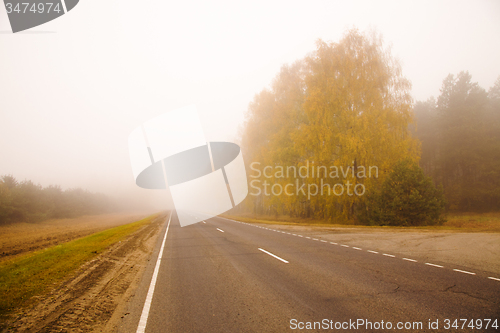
(407, 259)
(273, 255)
(353, 247)
(428, 263)
(461, 271)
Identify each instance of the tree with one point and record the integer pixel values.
(468, 145)
(5, 203)
(9, 181)
(273, 119)
(345, 105)
(427, 131)
(29, 202)
(359, 107)
(407, 198)
(460, 136)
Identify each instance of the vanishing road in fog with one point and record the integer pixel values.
(228, 276)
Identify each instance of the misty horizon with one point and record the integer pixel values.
(66, 113)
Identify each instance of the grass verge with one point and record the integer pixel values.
(32, 274)
(469, 222)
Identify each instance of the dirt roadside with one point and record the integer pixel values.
(92, 299)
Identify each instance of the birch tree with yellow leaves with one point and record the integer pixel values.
(344, 107)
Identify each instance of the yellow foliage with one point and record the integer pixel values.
(345, 105)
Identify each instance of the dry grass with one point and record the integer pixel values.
(473, 221)
(20, 238)
(32, 274)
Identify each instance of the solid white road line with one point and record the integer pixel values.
(459, 270)
(220, 230)
(273, 255)
(407, 259)
(149, 298)
(492, 278)
(428, 263)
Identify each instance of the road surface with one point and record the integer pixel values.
(228, 276)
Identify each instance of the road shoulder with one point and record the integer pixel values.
(93, 298)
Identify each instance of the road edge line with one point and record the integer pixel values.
(141, 328)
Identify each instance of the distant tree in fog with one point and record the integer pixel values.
(460, 134)
(26, 201)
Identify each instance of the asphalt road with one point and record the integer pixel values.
(228, 276)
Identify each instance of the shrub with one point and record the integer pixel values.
(407, 197)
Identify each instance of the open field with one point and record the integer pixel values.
(86, 299)
(20, 238)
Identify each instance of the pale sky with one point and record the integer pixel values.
(73, 89)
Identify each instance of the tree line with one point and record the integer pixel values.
(347, 105)
(460, 135)
(29, 202)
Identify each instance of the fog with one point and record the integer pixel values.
(73, 89)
